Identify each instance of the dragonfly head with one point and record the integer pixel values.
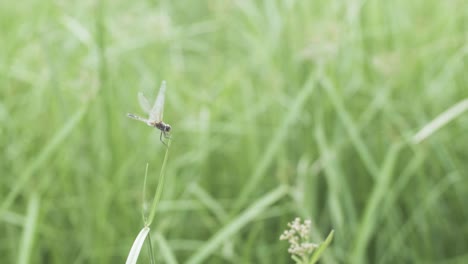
(167, 128)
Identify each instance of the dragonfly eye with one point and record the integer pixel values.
(167, 128)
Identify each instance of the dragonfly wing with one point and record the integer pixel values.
(144, 103)
(156, 113)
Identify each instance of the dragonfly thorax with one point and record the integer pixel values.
(163, 127)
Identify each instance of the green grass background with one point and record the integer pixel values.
(279, 109)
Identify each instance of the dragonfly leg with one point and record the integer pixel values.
(161, 139)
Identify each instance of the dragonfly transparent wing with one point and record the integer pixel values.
(156, 113)
(144, 103)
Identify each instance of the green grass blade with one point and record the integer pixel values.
(440, 121)
(319, 251)
(29, 230)
(150, 249)
(206, 199)
(159, 189)
(137, 245)
(371, 216)
(276, 142)
(340, 200)
(143, 198)
(350, 124)
(235, 225)
(166, 251)
(43, 156)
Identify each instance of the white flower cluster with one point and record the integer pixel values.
(298, 237)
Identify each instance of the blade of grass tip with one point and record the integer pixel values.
(165, 250)
(159, 189)
(275, 143)
(136, 247)
(236, 224)
(319, 251)
(29, 230)
(440, 121)
(43, 156)
(371, 216)
(143, 198)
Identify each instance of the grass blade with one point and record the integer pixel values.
(371, 215)
(29, 230)
(350, 124)
(276, 142)
(136, 247)
(440, 121)
(318, 252)
(43, 156)
(143, 196)
(159, 189)
(238, 223)
(209, 202)
(165, 250)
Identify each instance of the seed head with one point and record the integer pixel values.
(298, 237)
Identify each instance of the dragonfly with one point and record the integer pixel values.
(155, 118)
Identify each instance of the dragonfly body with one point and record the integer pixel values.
(155, 113)
(165, 128)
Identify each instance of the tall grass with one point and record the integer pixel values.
(278, 108)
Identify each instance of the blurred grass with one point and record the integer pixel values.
(375, 72)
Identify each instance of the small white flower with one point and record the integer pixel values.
(298, 237)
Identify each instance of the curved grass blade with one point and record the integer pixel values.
(136, 247)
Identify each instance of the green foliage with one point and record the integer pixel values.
(319, 251)
(278, 109)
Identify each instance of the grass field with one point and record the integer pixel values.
(279, 109)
